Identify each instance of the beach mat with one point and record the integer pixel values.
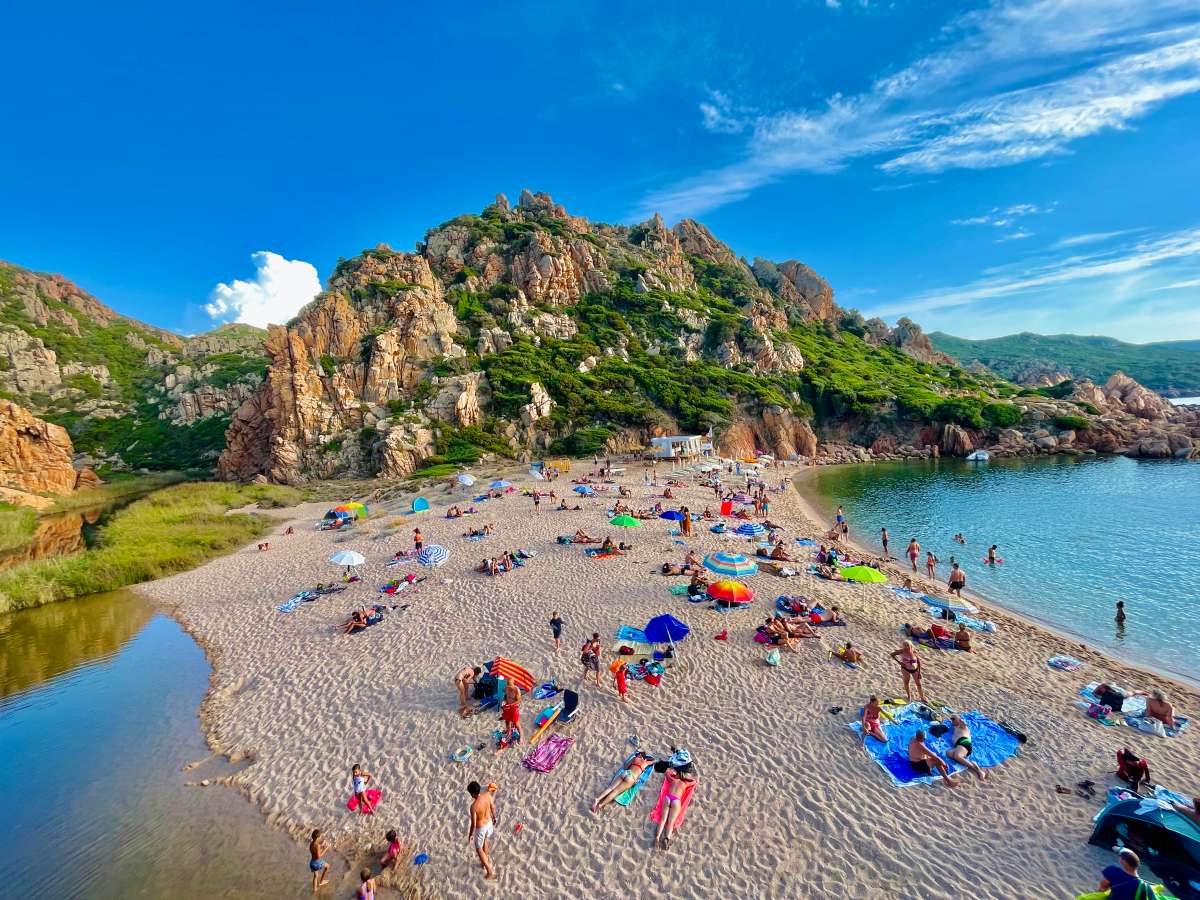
(627, 796)
(992, 744)
(684, 801)
(1133, 711)
(373, 795)
(547, 754)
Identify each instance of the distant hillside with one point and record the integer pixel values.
(130, 395)
(1171, 368)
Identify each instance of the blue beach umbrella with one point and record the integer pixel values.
(732, 564)
(500, 484)
(433, 556)
(750, 529)
(951, 603)
(466, 479)
(665, 629)
(583, 489)
(673, 514)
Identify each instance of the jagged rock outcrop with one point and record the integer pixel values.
(35, 456)
(955, 441)
(1122, 392)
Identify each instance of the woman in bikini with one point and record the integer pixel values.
(677, 783)
(910, 667)
(626, 778)
(870, 721)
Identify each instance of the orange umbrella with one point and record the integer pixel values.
(728, 591)
(513, 673)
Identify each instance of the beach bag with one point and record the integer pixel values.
(1096, 711)
(772, 657)
(1149, 726)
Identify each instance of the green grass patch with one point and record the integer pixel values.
(1071, 423)
(174, 529)
(17, 524)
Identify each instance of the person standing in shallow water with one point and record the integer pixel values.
(1120, 618)
(914, 552)
(883, 537)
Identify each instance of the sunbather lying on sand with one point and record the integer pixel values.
(829, 573)
(847, 654)
(453, 513)
(672, 805)
(833, 614)
(798, 627)
(626, 779)
(582, 537)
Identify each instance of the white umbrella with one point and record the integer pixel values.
(347, 558)
(951, 603)
(465, 478)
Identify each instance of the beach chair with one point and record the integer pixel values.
(570, 706)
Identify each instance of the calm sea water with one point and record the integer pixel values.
(1076, 536)
(98, 701)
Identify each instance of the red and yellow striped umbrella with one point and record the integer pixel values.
(729, 591)
(513, 673)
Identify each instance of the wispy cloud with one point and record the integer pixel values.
(279, 288)
(719, 114)
(1017, 81)
(1181, 285)
(1019, 235)
(1098, 237)
(1008, 218)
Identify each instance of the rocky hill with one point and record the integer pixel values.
(1037, 360)
(527, 329)
(129, 394)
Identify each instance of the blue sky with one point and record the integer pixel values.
(986, 168)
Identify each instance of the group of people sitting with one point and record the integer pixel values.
(457, 512)
(935, 633)
(505, 562)
(487, 529)
(1157, 705)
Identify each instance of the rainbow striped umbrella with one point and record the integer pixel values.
(732, 592)
(732, 564)
(750, 529)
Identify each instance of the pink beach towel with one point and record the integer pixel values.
(545, 756)
(373, 795)
(657, 814)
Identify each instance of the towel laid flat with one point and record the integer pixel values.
(546, 755)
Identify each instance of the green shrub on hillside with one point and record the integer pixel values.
(1071, 423)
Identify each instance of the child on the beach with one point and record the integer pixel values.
(619, 676)
(316, 864)
(556, 627)
(392, 857)
(359, 778)
(418, 539)
(366, 887)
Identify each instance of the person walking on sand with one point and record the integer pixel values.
(883, 539)
(924, 761)
(359, 779)
(910, 668)
(316, 863)
(537, 499)
(418, 540)
(914, 552)
(960, 748)
(619, 678)
(483, 826)
(589, 657)
(931, 562)
(556, 626)
(957, 580)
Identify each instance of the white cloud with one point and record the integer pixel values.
(1181, 285)
(1019, 80)
(1018, 235)
(279, 289)
(1078, 240)
(1007, 217)
(834, 4)
(718, 114)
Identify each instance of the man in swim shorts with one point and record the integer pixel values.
(316, 863)
(957, 581)
(961, 747)
(924, 761)
(483, 826)
(589, 657)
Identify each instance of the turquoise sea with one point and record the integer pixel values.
(1076, 536)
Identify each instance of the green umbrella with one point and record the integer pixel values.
(625, 521)
(863, 574)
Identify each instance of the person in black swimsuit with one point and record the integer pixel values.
(924, 761)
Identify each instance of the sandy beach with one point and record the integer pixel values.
(788, 803)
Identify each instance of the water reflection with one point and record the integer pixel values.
(55, 535)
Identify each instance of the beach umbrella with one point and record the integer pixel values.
(750, 529)
(673, 514)
(731, 592)
(665, 629)
(420, 504)
(951, 603)
(466, 479)
(584, 489)
(433, 556)
(500, 484)
(725, 562)
(624, 521)
(347, 558)
(514, 673)
(354, 504)
(863, 575)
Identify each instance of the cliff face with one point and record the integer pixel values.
(35, 457)
(130, 394)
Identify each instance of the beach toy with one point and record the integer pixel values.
(373, 796)
(544, 720)
(999, 560)
(463, 753)
(420, 859)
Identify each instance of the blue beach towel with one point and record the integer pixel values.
(631, 635)
(626, 796)
(992, 745)
(973, 624)
(475, 537)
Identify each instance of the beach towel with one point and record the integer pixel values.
(475, 537)
(295, 600)
(973, 624)
(1064, 663)
(546, 691)
(686, 798)
(1132, 712)
(548, 753)
(629, 634)
(373, 797)
(992, 744)
(1148, 725)
(598, 553)
(626, 796)
(678, 590)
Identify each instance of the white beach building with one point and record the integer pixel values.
(681, 446)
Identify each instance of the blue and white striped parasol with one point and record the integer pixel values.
(750, 529)
(433, 556)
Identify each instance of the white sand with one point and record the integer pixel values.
(788, 804)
